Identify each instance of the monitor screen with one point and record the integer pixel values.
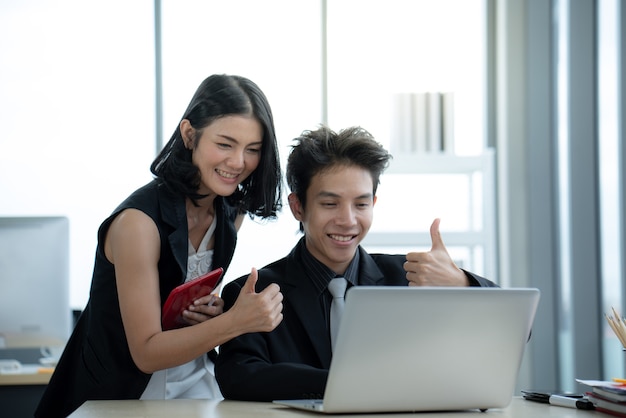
(34, 277)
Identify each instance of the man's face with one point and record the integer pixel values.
(338, 214)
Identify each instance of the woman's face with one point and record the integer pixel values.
(228, 151)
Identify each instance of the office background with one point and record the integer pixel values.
(90, 90)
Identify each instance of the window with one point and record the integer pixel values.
(89, 140)
(76, 115)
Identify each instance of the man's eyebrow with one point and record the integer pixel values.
(331, 194)
(327, 194)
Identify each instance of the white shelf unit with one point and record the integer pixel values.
(480, 237)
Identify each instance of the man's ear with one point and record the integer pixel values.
(295, 206)
(188, 133)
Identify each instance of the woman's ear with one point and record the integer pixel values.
(295, 206)
(188, 133)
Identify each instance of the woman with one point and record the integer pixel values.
(220, 164)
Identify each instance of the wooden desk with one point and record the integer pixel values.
(20, 392)
(24, 379)
(519, 408)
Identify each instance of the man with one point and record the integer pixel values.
(333, 179)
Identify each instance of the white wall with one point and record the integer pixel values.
(77, 109)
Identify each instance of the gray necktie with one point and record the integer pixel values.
(337, 288)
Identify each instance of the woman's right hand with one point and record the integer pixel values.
(258, 312)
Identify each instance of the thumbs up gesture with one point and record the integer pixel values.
(256, 312)
(434, 267)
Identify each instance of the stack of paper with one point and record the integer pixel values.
(608, 397)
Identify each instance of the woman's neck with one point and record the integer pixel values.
(199, 218)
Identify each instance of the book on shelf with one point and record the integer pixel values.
(422, 122)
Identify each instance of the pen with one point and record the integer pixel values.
(577, 403)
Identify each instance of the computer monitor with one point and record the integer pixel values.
(34, 277)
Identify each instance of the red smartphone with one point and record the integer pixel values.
(182, 296)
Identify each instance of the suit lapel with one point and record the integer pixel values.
(302, 296)
(173, 213)
(225, 236)
(369, 273)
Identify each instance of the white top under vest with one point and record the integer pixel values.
(196, 379)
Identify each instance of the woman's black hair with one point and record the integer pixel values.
(217, 96)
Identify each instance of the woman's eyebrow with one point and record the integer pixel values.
(232, 139)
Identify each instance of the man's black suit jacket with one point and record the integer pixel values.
(292, 361)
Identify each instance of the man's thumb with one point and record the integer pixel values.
(435, 235)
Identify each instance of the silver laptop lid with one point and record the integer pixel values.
(429, 348)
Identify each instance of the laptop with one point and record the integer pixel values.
(413, 349)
